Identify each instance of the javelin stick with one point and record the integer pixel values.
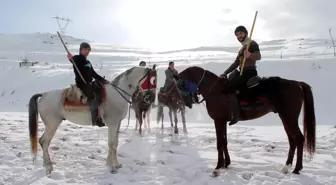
(248, 42)
(59, 35)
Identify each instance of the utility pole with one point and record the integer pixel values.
(61, 20)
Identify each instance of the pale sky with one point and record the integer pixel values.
(171, 24)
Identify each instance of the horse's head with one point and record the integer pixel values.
(147, 84)
(187, 82)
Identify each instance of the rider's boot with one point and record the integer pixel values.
(96, 119)
(236, 108)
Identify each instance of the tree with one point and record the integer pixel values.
(333, 42)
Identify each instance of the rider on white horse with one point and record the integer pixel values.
(86, 70)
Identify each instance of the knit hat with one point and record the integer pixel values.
(84, 45)
(240, 29)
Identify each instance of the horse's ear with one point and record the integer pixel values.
(154, 66)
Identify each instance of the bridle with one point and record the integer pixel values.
(123, 92)
(199, 83)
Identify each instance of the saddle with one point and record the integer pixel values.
(251, 96)
(73, 99)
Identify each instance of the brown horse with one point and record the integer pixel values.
(143, 98)
(259, 97)
(174, 100)
(141, 104)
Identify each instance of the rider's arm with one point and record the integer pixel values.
(233, 66)
(255, 51)
(79, 61)
(169, 76)
(95, 75)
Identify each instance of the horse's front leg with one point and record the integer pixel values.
(184, 120)
(175, 120)
(171, 117)
(140, 122)
(220, 147)
(112, 161)
(148, 119)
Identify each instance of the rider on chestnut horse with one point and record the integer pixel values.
(236, 82)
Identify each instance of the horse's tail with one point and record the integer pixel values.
(159, 113)
(33, 123)
(309, 122)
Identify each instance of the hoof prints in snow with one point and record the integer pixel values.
(79, 155)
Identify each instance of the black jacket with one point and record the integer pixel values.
(85, 69)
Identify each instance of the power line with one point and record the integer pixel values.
(61, 20)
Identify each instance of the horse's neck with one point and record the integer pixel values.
(127, 86)
(211, 85)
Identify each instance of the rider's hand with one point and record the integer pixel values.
(69, 56)
(104, 81)
(222, 76)
(247, 53)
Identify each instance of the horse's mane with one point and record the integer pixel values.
(211, 74)
(125, 73)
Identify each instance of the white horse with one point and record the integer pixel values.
(113, 109)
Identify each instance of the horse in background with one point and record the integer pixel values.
(259, 97)
(173, 99)
(143, 98)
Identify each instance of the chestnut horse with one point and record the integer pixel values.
(143, 99)
(273, 94)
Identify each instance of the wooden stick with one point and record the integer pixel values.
(66, 49)
(248, 42)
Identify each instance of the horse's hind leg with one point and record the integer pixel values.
(170, 117)
(51, 124)
(299, 139)
(184, 120)
(292, 147)
(295, 139)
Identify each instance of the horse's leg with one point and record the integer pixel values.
(143, 114)
(148, 119)
(226, 151)
(136, 123)
(220, 147)
(299, 139)
(184, 120)
(292, 146)
(112, 161)
(170, 117)
(175, 120)
(51, 124)
(140, 121)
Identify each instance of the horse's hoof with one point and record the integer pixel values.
(285, 169)
(48, 171)
(295, 171)
(215, 173)
(118, 166)
(113, 170)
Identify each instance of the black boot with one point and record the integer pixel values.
(236, 109)
(94, 113)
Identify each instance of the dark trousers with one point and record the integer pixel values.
(87, 90)
(236, 81)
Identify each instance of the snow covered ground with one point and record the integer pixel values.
(79, 153)
(258, 148)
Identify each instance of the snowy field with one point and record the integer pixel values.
(258, 148)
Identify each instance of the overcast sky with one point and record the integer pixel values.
(171, 24)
